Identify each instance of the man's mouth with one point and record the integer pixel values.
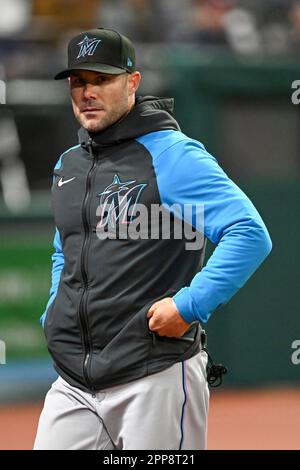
(91, 110)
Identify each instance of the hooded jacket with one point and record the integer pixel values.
(96, 322)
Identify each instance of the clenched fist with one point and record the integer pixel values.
(165, 319)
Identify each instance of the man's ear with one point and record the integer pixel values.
(134, 80)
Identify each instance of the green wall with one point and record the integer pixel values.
(253, 333)
(25, 254)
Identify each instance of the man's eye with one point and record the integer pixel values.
(77, 81)
(102, 79)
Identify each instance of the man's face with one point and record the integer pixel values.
(101, 99)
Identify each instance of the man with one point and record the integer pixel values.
(123, 319)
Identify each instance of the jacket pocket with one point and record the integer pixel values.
(171, 348)
(169, 293)
(128, 350)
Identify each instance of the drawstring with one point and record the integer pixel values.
(214, 372)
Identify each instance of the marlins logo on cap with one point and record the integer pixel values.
(88, 46)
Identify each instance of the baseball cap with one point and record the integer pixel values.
(99, 50)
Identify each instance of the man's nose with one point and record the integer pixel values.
(89, 91)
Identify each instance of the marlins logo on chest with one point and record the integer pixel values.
(116, 200)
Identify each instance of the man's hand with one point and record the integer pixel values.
(165, 319)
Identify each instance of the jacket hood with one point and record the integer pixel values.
(149, 114)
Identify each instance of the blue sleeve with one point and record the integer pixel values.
(57, 266)
(187, 174)
(58, 256)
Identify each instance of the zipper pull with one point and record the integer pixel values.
(90, 146)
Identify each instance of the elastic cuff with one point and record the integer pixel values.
(184, 303)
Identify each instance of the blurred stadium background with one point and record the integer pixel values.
(230, 65)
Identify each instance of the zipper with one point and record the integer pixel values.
(152, 334)
(87, 343)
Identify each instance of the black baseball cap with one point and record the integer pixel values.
(99, 50)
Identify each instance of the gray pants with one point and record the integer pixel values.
(166, 411)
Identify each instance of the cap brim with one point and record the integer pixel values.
(91, 67)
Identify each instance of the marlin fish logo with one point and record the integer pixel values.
(88, 46)
(115, 201)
